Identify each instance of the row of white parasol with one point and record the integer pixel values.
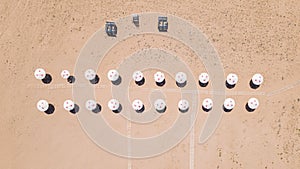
(160, 105)
(255, 82)
(41, 74)
(180, 77)
(159, 77)
(138, 76)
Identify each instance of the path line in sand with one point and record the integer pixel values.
(174, 90)
(283, 89)
(268, 94)
(129, 162)
(192, 148)
(192, 139)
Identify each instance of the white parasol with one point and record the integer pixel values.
(42, 105)
(69, 105)
(232, 79)
(137, 104)
(65, 74)
(253, 103)
(40, 73)
(229, 103)
(91, 105)
(160, 104)
(181, 77)
(90, 74)
(204, 78)
(257, 79)
(113, 104)
(207, 103)
(183, 105)
(137, 76)
(113, 75)
(159, 77)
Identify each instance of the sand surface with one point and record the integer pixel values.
(249, 36)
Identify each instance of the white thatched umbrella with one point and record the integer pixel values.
(203, 79)
(42, 105)
(256, 81)
(138, 77)
(252, 104)
(228, 105)
(93, 106)
(207, 104)
(181, 79)
(70, 106)
(92, 76)
(41, 74)
(114, 76)
(231, 80)
(138, 106)
(160, 105)
(114, 105)
(65, 74)
(159, 78)
(183, 106)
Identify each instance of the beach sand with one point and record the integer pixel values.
(249, 36)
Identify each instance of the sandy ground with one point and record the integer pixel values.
(250, 37)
